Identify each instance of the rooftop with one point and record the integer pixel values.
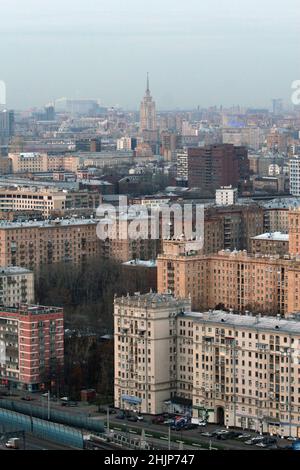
(141, 262)
(264, 323)
(47, 223)
(151, 299)
(275, 236)
(30, 310)
(13, 270)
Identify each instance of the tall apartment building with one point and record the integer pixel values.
(237, 224)
(234, 370)
(294, 231)
(122, 245)
(245, 371)
(16, 286)
(170, 142)
(32, 244)
(230, 279)
(145, 350)
(182, 165)
(147, 112)
(31, 346)
(294, 165)
(27, 199)
(7, 124)
(213, 166)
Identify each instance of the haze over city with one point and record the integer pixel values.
(197, 53)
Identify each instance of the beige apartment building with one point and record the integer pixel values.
(145, 350)
(16, 286)
(231, 369)
(246, 371)
(229, 279)
(272, 243)
(31, 199)
(34, 162)
(32, 244)
(31, 162)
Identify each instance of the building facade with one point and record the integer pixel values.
(147, 112)
(230, 279)
(213, 166)
(31, 346)
(145, 350)
(234, 370)
(32, 244)
(16, 286)
(24, 199)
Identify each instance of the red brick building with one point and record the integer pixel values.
(213, 166)
(31, 346)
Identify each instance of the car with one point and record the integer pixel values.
(228, 435)
(253, 441)
(132, 418)
(27, 398)
(190, 426)
(207, 434)
(267, 442)
(291, 438)
(158, 419)
(120, 415)
(202, 423)
(169, 422)
(140, 417)
(244, 436)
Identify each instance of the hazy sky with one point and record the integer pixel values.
(202, 52)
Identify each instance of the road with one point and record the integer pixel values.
(36, 443)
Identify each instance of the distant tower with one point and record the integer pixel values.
(147, 111)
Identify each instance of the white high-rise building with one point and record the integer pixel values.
(226, 196)
(295, 176)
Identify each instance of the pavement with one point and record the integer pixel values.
(117, 424)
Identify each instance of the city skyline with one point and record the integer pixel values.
(192, 54)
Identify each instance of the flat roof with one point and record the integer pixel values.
(13, 270)
(47, 223)
(275, 236)
(141, 262)
(265, 323)
(30, 310)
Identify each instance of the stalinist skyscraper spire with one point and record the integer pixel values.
(147, 111)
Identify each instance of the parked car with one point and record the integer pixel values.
(120, 415)
(132, 418)
(27, 398)
(190, 426)
(267, 442)
(244, 437)
(228, 435)
(158, 419)
(253, 441)
(207, 434)
(202, 423)
(140, 417)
